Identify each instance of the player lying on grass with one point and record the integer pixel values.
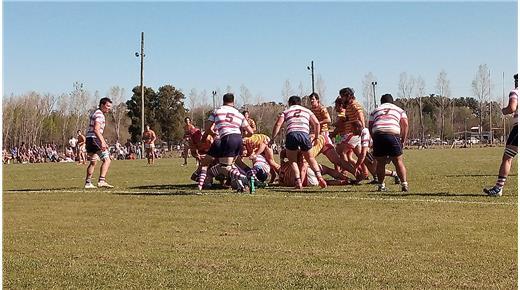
(308, 177)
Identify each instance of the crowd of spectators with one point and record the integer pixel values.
(51, 152)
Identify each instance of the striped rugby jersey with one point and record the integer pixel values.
(366, 141)
(386, 118)
(321, 114)
(297, 119)
(228, 120)
(341, 124)
(261, 162)
(252, 143)
(351, 113)
(95, 117)
(514, 95)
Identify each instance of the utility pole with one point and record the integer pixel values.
(214, 93)
(490, 106)
(142, 91)
(311, 68)
(503, 105)
(374, 92)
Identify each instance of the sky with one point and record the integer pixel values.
(47, 46)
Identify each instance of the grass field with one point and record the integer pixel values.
(151, 231)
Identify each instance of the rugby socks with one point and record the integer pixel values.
(202, 178)
(101, 179)
(501, 181)
(235, 174)
(88, 180)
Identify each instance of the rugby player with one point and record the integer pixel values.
(388, 125)
(96, 145)
(297, 120)
(149, 138)
(511, 145)
(228, 122)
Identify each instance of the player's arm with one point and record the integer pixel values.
(404, 129)
(208, 130)
(277, 126)
(327, 117)
(253, 125)
(97, 132)
(361, 158)
(248, 130)
(258, 151)
(511, 106)
(316, 125)
(360, 116)
(154, 137)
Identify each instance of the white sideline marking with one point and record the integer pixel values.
(265, 195)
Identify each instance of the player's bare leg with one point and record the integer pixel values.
(401, 171)
(292, 156)
(507, 159)
(90, 171)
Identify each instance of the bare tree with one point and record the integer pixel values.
(245, 95)
(444, 93)
(119, 109)
(287, 91)
(481, 88)
(229, 89)
(321, 88)
(301, 90)
(406, 88)
(192, 99)
(420, 89)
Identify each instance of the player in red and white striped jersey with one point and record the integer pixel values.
(388, 125)
(511, 145)
(366, 158)
(297, 119)
(228, 122)
(96, 145)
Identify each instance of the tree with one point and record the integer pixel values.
(287, 91)
(321, 88)
(444, 93)
(245, 95)
(481, 86)
(419, 94)
(192, 98)
(169, 113)
(119, 110)
(134, 111)
(406, 88)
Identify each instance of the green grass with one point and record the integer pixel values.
(152, 232)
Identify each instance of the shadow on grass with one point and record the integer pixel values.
(168, 189)
(437, 194)
(41, 189)
(188, 186)
(475, 175)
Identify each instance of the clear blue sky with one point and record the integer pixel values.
(208, 45)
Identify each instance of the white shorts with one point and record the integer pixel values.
(149, 146)
(311, 177)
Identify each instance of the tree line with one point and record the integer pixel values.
(36, 118)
